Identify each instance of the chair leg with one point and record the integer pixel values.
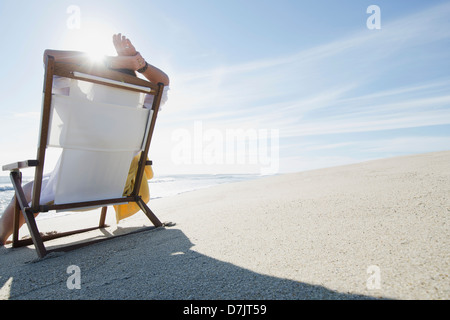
(34, 232)
(149, 213)
(15, 240)
(16, 213)
(101, 224)
(28, 215)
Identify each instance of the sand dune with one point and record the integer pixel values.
(378, 229)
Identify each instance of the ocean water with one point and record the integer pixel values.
(160, 186)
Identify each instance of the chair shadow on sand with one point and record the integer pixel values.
(155, 264)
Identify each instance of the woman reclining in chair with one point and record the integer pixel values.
(128, 60)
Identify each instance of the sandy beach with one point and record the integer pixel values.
(373, 230)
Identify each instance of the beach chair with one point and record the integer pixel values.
(99, 127)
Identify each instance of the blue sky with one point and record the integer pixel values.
(330, 90)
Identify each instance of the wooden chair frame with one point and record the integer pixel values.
(69, 70)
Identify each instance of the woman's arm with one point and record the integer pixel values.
(155, 75)
(123, 45)
(135, 63)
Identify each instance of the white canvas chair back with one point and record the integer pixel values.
(100, 129)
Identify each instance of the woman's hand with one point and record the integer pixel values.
(123, 45)
(129, 58)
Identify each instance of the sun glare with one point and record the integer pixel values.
(95, 39)
(95, 57)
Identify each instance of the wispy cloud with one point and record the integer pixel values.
(331, 88)
(364, 96)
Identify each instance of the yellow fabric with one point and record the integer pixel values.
(126, 210)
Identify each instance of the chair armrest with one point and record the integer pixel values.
(20, 165)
